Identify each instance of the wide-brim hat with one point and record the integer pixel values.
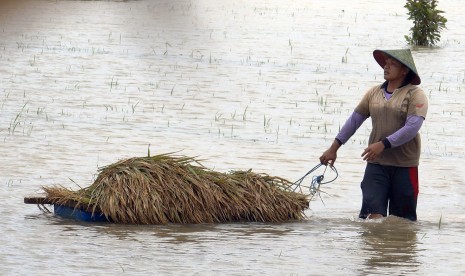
(403, 56)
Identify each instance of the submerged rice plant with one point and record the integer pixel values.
(168, 189)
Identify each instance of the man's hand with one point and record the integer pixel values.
(373, 151)
(330, 155)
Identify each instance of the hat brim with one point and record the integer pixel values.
(381, 56)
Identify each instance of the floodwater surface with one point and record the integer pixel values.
(264, 85)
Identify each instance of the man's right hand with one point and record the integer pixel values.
(330, 155)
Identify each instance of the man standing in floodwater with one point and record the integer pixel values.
(397, 109)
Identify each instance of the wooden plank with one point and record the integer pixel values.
(69, 203)
(37, 200)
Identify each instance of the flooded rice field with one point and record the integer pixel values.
(240, 84)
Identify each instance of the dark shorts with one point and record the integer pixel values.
(390, 188)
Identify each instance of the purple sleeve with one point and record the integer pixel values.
(407, 132)
(351, 125)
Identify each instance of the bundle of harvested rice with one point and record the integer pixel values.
(167, 189)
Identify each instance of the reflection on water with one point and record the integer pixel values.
(262, 85)
(390, 244)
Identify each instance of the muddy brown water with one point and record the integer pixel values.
(263, 85)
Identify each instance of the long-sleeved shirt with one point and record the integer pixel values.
(396, 119)
(400, 137)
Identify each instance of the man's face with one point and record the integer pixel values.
(394, 70)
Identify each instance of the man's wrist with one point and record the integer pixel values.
(386, 143)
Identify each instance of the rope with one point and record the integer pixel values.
(317, 180)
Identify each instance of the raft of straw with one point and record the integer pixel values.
(167, 189)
